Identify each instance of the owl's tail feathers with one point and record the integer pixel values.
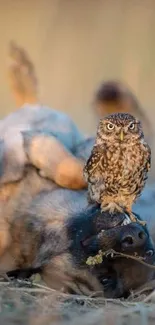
(22, 76)
(114, 96)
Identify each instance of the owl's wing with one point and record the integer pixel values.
(94, 160)
(148, 156)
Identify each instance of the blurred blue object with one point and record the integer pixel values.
(145, 207)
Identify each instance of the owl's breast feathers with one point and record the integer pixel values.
(148, 155)
(120, 168)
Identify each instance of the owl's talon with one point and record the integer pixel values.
(111, 207)
(133, 218)
(104, 208)
(142, 222)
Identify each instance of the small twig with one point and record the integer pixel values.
(137, 259)
(146, 287)
(99, 258)
(4, 283)
(36, 285)
(150, 296)
(4, 276)
(30, 290)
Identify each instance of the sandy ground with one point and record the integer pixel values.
(26, 303)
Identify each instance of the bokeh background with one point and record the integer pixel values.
(75, 44)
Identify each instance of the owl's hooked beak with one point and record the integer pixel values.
(121, 135)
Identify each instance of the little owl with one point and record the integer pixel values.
(117, 168)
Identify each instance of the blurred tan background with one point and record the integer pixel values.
(77, 43)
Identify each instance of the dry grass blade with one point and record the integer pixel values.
(114, 254)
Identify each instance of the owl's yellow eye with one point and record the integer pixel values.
(110, 126)
(132, 126)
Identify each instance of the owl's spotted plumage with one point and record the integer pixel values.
(117, 168)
